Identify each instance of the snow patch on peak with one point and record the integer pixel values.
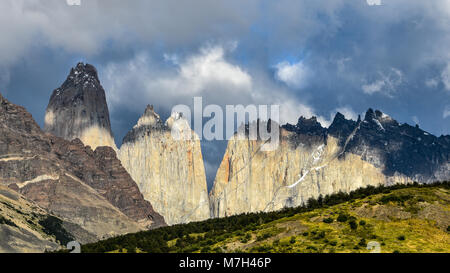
(84, 74)
(379, 124)
(383, 115)
(318, 153)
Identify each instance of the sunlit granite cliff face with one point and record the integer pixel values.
(169, 171)
(312, 161)
(78, 109)
(89, 190)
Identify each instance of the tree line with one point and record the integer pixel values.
(218, 229)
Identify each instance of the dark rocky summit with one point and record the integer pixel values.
(307, 132)
(341, 127)
(307, 126)
(88, 188)
(78, 109)
(383, 142)
(148, 122)
(401, 148)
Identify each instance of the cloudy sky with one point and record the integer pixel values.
(309, 57)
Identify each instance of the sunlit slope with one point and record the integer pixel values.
(408, 218)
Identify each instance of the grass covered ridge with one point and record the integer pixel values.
(400, 218)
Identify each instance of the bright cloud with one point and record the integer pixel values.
(348, 112)
(208, 74)
(73, 2)
(290, 111)
(374, 2)
(432, 83)
(446, 113)
(446, 77)
(387, 83)
(373, 87)
(209, 69)
(56, 24)
(294, 75)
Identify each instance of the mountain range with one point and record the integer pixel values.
(73, 171)
(312, 161)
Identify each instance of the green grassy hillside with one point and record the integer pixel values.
(403, 218)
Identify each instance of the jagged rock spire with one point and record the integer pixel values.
(341, 127)
(149, 118)
(167, 164)
(379, 119)
(306, 126)
(370, 114)
(78, 109)
(338, 118)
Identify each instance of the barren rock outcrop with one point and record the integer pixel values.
(88, 188)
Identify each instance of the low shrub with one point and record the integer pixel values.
(353, 224)
(8, 222)
(342, 218)
(292, 241)
(362, 242)
(54, 226)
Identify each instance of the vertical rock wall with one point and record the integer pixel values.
(169, 172)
